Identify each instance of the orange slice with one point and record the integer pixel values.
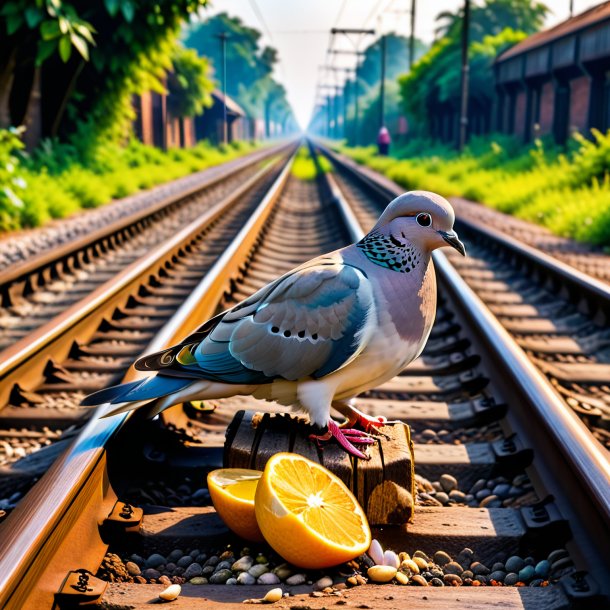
(308, 515)
(232, 491)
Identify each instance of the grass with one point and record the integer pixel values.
(304, 166)
(54, 182)
(567, 192)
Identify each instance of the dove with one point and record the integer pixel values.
(319, 335)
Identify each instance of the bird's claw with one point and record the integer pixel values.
(345, 438)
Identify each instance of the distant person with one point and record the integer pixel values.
(383, 141)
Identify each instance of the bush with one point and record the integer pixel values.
(569, 193)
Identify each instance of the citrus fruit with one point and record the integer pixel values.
(308, 515)
(232, 492)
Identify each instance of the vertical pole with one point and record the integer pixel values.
(356, 117)
(465, 70)
(223, 45)
(328, 117)
(571, 8)
(382, 84)
(412, 36)
(345, 101)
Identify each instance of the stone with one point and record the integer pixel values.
(542, 569)
(283, 571)
(155, 560)
(201, 558)
(481, 495)
(514, 564)
(174, 555)
(502, 490)
(390, 558)
(170, 567)
(467, 574)
(243, 564)
(199, 580)
(498, 575)
(137, 559)
(171, 593)
(498, 567)
(448, 482)
(557, 554)
(212, 561)
(422, 555)
(207, 570)
(185, 561)
(268, 578)
(194, 553)
(164, 580)
(491, 502)
(180, 571)
(133, 568)
(151, 573)
(231, 581)
(453, 580)
(322, 583)
(193, 570)
(375, 552)
(536, 582)
(511, 579)
(411, 565)
(381, 573)
(297, 579)
(433, 573)
(457, 496)
(561, 564)
(246, 579)
(258, 570)
(220, 577)
(224, 565)
(527, 574)
(478, 486)
(441, 558)
(273, 596)
(260, 558)
(453, 567)
(437, 582)
(480, 578)
(421, 563)
(465, 557)
(402, 579)
(442, 497)
(419, 580)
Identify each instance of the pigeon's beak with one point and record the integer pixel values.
(452, 239)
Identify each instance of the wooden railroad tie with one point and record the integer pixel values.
(383, 485)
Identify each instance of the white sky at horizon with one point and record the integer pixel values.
(300, 31)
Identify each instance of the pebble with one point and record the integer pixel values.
(221, 577)
(223, 565)
(381, 573)
(243, 564)
(411, 564)
(514, 564)
(482, 579)
(526, 574)
(170, 593)
(258, 570)
(434, 573)
(481, 495)
(465, 557)
(322, 583)
(194, 553)
(419, 580)
(212, 561)
(246, 579)
(269, 578)
(133, 568)
(437, 582)
(421, 563)
(422, 555)
(376, 552)
(478, 486)
(273, 596)
(497, 575)
(501, 490)
(296, 579)
(401, 578)
(184, 561)
(511, 579)
(491, 502)
(452, 580)
(557, 554)
(560, 564)
(155, 560)
(442, 497)
(498, 567)
(536, 582)
(390, 558)
(457, 496)
(448, 482)
(260, 558)
(207, 570)
(453, 568)
(164, 580)
(441, 558)
(231, 581)
(478, 568)
(542, 568)
(283, 571)
(200, 580)
(151, 573)
(193, 570)
(137, 559)
(174, 555)
(467, 574)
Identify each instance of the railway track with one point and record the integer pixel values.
(95, 338)
(488, 436)
(558, 314)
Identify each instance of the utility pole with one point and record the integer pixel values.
(223, 49)
(465, 74)
(571, 8)
(382, 85)
(412, 36)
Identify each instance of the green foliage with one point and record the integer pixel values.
(55, 182)
(305, 168)
(189, 84)
(567, 193)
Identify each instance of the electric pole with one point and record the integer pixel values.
(223, 50)
(571, 8)
(465, 74)
(412, 36)
(382, 85)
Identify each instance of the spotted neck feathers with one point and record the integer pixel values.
(389, 252)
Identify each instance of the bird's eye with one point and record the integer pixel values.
(423, 219)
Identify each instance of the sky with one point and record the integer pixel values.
(300, 31)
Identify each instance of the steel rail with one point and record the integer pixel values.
(20, 272)
(572, 446)
(33, 555)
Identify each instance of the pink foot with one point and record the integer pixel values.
(345, 438)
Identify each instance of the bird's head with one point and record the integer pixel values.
(421, 219)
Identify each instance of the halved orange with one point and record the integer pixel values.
(308, 515)
(232, 492)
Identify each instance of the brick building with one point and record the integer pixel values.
(557, 81)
